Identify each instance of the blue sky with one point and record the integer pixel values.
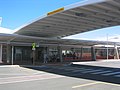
(18, 12)
(100, 34)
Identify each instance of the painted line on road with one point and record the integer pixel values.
(92, 71)
(81, 70)
(84, 85)
(9, 66)
(94, 83)
(113, 73)
(117, 75)
(102, 72)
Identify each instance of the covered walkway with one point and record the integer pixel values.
(46, 32)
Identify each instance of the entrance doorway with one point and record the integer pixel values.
(40, 55)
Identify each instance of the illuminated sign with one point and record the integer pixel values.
(55, 11)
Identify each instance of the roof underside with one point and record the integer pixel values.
(74, 20)
(25, 40)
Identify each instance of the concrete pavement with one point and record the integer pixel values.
(50, 77)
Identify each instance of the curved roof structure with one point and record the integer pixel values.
(77, 18)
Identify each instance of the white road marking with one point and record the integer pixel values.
(82, 70)
(94, 83)
(101, 72)
(91, 71)
(75, 69)
(9, 66)
(69, 68)
(113, 73)
(88, 84)
(117, 75)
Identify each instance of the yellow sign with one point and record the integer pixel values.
(55, 11)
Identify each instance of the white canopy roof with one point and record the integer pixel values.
(77, 18)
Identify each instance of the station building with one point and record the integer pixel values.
(41, 39)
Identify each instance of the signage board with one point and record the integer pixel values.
(55, 11)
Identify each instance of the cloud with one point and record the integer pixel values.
(5, 30)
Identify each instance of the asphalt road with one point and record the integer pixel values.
(74, 77)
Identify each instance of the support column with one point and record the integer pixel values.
(8, 53)
(45, 54)
(12, 61)
(60, 53)
(1, 53)
(47, 51)
(116, 54)
(81, 53)
(93, 55)
(34, 57)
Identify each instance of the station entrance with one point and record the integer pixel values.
(55, 53)
(77, 54)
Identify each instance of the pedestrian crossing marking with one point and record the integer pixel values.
(113, 73)
(84, 70)
(117, 75)
(92, 71)
(101, 72)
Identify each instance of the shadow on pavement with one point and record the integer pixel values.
(97, 77)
